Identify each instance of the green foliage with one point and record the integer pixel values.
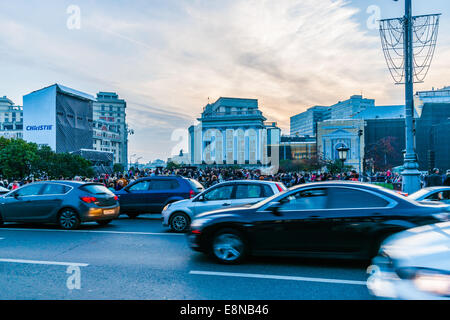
(19, 159)
(334, 167)
(118, 167)
(172, 165)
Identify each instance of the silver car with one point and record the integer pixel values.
(434, 194)
(413, 264)
(178, 215)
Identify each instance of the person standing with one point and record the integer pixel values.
(435, 179)
(447, 179)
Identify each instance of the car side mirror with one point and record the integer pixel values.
(274, 207)
(16, 195)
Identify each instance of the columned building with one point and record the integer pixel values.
(11, 119)
(232, 131)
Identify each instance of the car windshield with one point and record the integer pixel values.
(267, 200)
(419, 194)
(96, 189)
(196, 185)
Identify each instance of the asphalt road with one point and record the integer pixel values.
(141, 260)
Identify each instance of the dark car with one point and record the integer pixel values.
(329, 219)
(66, 203)
(152, 194)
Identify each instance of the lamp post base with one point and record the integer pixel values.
(410, 177)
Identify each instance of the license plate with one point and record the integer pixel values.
(109, 211)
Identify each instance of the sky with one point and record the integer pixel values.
(166, 58)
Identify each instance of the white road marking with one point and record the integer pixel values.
(96, 231)
(277, 277)
(53, 263)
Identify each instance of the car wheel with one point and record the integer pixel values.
(103, 222)
(68, 219)
(132, 215)
(179, 222)
(229, 246)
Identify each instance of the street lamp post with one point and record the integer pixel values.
(408, 45)
(411, 174)
(342, 154)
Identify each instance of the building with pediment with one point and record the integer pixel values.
(232, 131)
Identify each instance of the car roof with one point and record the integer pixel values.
(68, 182)
(161, 177)
(436, 188)
(357, 184)
(248, 181)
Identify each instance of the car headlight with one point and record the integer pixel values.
(433, 282)
(167, 207)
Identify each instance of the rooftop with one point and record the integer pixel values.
(381, 112)
(68, 91)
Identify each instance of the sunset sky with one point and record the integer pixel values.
(167, 57)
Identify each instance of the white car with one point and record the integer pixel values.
(178, 215)
(3, 191)
(413, 265)
(435, 194)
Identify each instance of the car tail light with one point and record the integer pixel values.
(88, 199)
(191, 194)
(194, 231)
(116, 198)
(279, 187)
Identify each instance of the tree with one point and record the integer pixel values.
(20, 159)
(17, 158)
(172, 165)
(386, 153)
(118, 167)
(334, 167)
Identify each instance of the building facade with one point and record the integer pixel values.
(232, 131)
(431, 96)
(349, 108)
(432, 134)
(305, 123)
(298, 148)
(110, 129)
(334, 134)
(11, 119)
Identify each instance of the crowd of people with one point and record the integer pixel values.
(211, 176)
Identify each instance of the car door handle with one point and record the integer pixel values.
(315, 217)
(226, 204)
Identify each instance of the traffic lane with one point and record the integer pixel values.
(160, 266)
(138, 282)
(143, 223)
(166, 250)
(99, 246)
(162, 243)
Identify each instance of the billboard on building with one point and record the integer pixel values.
(59, 117)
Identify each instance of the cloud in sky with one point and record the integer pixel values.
(167, 57)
